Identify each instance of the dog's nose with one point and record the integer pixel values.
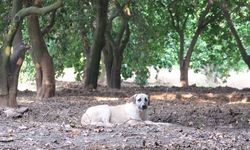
(144, 106)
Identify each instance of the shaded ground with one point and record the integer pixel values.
(198, 118)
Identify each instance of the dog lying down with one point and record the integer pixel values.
(133, 112)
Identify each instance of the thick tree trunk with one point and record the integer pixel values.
(181, 50)
(14, 64)
(184, 75)
(108, 61)
(92, 67)
(112, 66)
(183, 67)
(11, 61)
(16, 59)
(45, 75)
(113, 52)
(4, 72)
(115, 81)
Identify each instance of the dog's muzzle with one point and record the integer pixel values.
(144, 107)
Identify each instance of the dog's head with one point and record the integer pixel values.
(141, 100)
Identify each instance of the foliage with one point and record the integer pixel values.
(153, 41)
(4, 14)
(147, 45)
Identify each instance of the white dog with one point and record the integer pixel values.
(105, 115)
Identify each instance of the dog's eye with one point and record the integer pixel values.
(146, 99)
(139, 100)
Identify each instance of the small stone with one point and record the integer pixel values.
(190, 123)
(157, 144)
(22, 127)
(55, 141)
(67, 127)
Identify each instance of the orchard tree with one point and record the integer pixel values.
(93, 63)
(45, 74)
(180, 15)
(11, 61)
(116, 42)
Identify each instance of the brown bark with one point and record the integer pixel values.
(11, 62)
(108, 60)
(15, 61)
(86, 51)
(45, 75)
(113, 51)
(92, 66)
(185, 64)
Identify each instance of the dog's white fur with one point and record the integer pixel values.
(105, 115)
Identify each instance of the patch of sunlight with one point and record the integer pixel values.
(189, 95)
(163, 96)
(243, 101)
(106, 98)
(210, 95)
(68, 75)
(27, 86)
(25, 100)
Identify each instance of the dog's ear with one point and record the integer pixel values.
(133, 98)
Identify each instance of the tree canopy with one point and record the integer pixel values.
(208, 36)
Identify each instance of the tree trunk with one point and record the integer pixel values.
(10, 62)
(45, 74)
(113, 51)
(185, 65)
(17, 57)
(13, 65)
(16, 60)
(184, 76)
(115, 81)
(108, 61)
(182, 42)
(113, 62)
(92, 66)
(86, 51)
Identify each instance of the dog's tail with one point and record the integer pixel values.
(85, 120)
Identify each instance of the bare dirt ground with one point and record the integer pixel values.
(195, 117)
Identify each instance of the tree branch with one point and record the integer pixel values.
(172, 19)
(126, 38)
(25, 12)
(185, 22)
(37, 11)
(204, 13)
(124, 18)
(243, 52)
(52, 21)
